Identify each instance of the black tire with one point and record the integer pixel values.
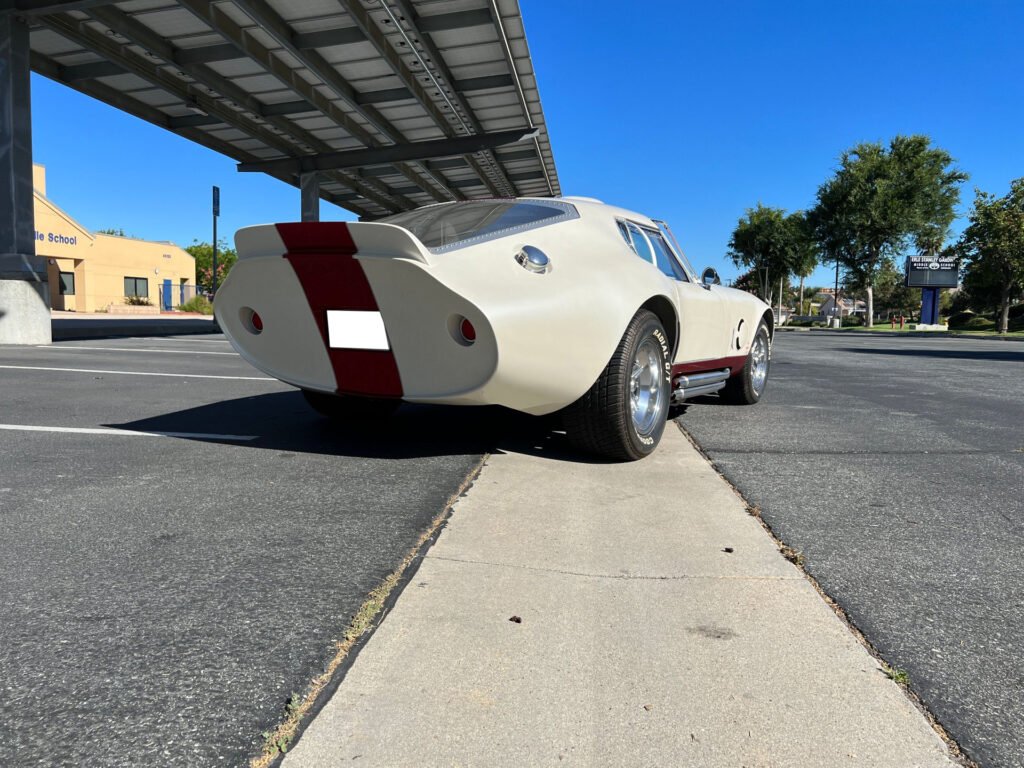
(602, 421)
(743, 388)
(349, 409)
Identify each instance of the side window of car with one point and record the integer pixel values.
(664, 259)
(625, 234)
(639, 243)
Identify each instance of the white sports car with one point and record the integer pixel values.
(541, 305)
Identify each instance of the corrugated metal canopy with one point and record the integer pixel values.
(262, 80)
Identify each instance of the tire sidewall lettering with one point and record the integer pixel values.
(666, 354)
(655, 332)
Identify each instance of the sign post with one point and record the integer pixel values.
(931, 274)
(216, 213)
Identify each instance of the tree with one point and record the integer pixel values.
(763, 242)
(805, 251)
(203, 254)
(880, 200)
(891, 292)
(118, 232)
(746, 282)
(993, 244)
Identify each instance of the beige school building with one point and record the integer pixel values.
(93, 272)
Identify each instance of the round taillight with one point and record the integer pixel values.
(251, 321)
(467, 330)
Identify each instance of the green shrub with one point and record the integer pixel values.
(138, 301)
(1017, 312)
(979, 323)
(959, 319)
(851, 321)
(199, 304)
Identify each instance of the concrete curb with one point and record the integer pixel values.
(915, 334)
(67, 329)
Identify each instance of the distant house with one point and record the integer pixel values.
(847, 306)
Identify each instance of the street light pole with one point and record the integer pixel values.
(835, 299)
(216, 213)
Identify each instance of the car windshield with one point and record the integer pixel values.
(456, 225)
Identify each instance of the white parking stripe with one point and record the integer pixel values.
(136, 373)
(125, 432)
(172, 338)
(135, 349)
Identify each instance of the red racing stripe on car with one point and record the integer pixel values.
(322, 255)
(715, 364)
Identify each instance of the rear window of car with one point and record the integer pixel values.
(457, 225)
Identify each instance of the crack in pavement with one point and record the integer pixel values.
(621, 577)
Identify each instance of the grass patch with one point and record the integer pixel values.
(898, 676)
(794, 556)
(199, 304)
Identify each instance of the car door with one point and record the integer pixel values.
(703, 331)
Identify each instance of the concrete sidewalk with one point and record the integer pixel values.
(642, 641)
(72, 325)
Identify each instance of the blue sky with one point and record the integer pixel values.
(688, 111)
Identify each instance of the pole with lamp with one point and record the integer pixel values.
(835, 302)
(216, 213)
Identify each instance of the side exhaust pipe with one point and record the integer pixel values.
(699, 384)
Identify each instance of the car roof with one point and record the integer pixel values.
(593, 207)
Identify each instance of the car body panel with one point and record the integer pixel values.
(541, 340)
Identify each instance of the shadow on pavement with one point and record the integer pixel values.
(958, 354)
(283, 421)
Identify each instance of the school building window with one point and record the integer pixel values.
(67, 283)
(136, 286)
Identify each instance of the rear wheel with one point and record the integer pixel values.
(364, 411)
(623, 414)
(747, 386)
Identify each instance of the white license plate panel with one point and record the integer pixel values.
(349, 329)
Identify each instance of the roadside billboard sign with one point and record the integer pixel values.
(932, 272)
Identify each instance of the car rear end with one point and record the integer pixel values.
(304, 304)
(455, 303)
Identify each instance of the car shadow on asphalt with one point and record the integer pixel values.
(282, 421)
(1004, 356)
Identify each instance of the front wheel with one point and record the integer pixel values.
(362, 411)
(623, 414)
(747, 386)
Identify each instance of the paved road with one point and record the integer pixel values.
(162, 597)
(896, 466)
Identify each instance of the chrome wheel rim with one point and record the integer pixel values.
(759, 363)
(646, 393)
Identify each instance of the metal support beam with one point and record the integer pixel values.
(39, 7)
(434, 67)
(420, 150)
(24, 293)
(97, 90)
(271, 23)
(141, 35)
(251, 47)
(309, 184)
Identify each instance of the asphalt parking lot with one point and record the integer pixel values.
(165, 595)
(896, 467)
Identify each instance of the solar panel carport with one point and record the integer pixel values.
(378, 106)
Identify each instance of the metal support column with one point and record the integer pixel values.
(309, 184)
(24, 292)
